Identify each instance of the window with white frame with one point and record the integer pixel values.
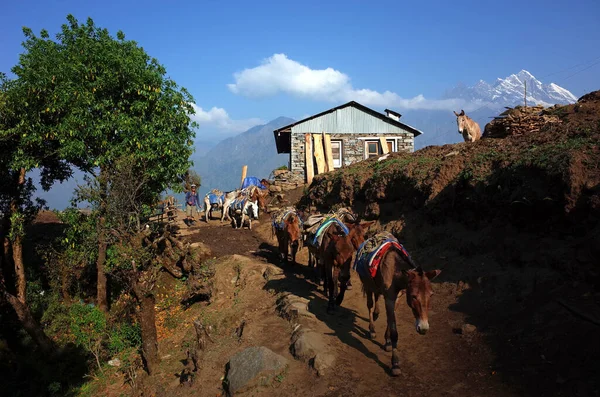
(336, 149)
(373, 147)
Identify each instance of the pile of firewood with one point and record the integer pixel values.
(520, 120)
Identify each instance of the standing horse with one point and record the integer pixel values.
(287, 227)
(241, 208)
(467, 127)
(213, 200)
(336, 253)
(385, 268)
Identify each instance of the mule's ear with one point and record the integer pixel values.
(456, 114)
(433, 274)
(410, 273)
(462, 112)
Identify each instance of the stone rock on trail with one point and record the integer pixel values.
(253, 367)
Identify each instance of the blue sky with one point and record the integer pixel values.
(251, 61)
(409, 49)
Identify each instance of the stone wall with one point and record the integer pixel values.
(284, 180)
(353, 148)
(297, 155)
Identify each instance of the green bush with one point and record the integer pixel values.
(88, 325)
(57, 319)
(124, 336)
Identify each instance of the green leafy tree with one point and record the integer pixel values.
(20, 152)
(102, 97)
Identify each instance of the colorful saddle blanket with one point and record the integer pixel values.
(280, 216)
(320, 232)
(252, 181)
(371, 252)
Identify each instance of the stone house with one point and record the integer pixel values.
(356, 133)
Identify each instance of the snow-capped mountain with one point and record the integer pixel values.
(510, 92)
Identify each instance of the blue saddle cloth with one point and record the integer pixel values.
(214, 199)
(252, 181)
(318, 238)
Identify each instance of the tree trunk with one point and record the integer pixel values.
(64, 284)
(101, 286)
(17, 247)
(102, 298)
(147, 319)
(7, 267)
(28, 322)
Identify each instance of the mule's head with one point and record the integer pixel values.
(292, 227)
(343, 249)
(357, 232)
(262, 201)
(461, 120)
(418, 296)
(252, 209)
(260, 197)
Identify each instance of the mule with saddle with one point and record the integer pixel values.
(385, 269)
(252, 194)
(287, 226)
(314, 229)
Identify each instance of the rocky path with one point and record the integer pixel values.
(452, 359)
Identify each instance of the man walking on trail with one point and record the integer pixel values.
(192, 204)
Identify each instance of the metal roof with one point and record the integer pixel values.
(365, 109)
(283, 138)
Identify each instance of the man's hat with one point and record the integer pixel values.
(193, 185)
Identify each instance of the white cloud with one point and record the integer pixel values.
(279, 74)
(218, 119)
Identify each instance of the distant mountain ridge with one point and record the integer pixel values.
(220, 168)
(510, 92)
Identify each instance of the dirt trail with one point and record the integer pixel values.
(443, 362)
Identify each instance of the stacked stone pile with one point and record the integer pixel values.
(520, 120)
(284, 180)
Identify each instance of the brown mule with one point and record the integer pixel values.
(467, 127)
(394, 274)
(311, 225)
(288, 235)
(336, 253)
